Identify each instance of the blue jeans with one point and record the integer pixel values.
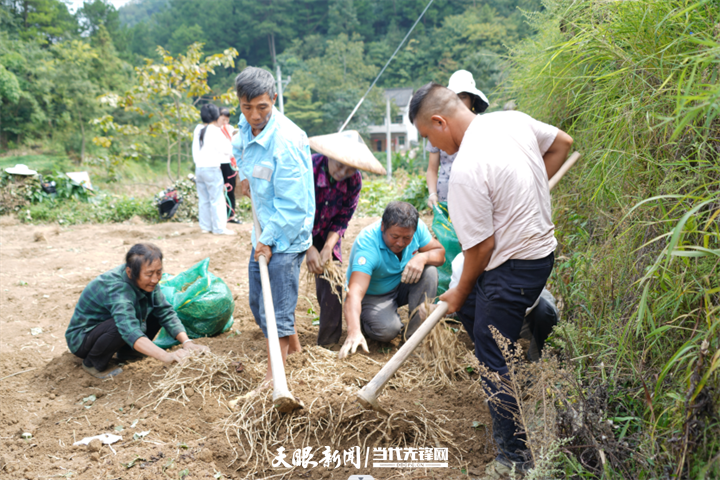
(284, 272)
(501, 297)
(212, 213)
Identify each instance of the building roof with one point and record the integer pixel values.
(401, 96)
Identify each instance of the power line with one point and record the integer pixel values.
(383, 69)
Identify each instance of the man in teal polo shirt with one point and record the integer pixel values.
(392, 264)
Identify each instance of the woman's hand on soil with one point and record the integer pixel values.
(193, 347)
(352, 342)
(178, 356)
(313, 261)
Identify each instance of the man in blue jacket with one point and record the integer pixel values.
(275, 168)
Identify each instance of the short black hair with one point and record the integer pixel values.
(400, 214)
(141, 254)
(433, 99)
(225, 112)
(209, 113)
(417, 99)
(254, 82)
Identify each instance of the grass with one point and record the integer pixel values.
(637, 84)
(105, 209)
(39, 162)
(127, 192)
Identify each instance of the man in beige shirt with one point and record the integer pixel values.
(499, 202)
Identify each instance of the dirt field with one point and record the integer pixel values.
(193, 433)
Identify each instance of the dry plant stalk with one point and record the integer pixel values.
(332, 417)
(535, 387)
(438, 360)
(333, 273)
(205, 373)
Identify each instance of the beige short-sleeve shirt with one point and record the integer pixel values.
(499, 186)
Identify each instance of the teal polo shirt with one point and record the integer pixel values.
(370, 255)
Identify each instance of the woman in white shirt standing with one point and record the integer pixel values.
(211, 149)
(463, 84)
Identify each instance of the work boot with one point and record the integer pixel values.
(497, 470)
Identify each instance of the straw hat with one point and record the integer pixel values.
(463, 81)
(20, 169)
(347, 148)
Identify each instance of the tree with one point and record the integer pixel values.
(46, 20)
(92, 15)
(337, 75)
(301, 109)
(342, 16)
(74, 90)
(166, 93)
(9, 86)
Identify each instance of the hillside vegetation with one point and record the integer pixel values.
(637, 84)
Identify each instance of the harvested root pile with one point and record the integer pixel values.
(332, 415)
(440, 359)
(207, 374)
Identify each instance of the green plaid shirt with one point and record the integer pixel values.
(114, 295)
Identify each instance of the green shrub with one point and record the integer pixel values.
(105, 209)
(637, 84)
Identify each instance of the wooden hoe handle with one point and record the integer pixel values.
(282, 398)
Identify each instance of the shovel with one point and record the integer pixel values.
(369, 394)
(282, 398)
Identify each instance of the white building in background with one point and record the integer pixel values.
(403, 132)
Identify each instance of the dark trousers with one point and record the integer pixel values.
(500, 297)
(330, 312)
(103, 341)
(330, 306)
(229, 176)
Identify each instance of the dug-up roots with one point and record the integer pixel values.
(332, 416)
(207, 374)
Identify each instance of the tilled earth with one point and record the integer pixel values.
(47, 395)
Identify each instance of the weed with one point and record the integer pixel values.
(637, 84)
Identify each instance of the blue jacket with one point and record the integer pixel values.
(278, 165)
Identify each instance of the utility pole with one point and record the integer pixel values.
(280, 88)
(388, 139)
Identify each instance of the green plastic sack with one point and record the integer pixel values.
(203, 302)
(445, 233)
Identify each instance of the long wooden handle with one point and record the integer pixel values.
(370, 392)
(280, 387)
(563, 169)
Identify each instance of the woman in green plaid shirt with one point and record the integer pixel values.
(121, 311)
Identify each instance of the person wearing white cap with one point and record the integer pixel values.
(463, 84)
(337, 191)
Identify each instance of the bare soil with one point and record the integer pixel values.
(44, 392)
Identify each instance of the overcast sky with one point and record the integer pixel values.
(75, 4)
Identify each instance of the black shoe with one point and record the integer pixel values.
(129, 355)
(235, 220)
(110, 371)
